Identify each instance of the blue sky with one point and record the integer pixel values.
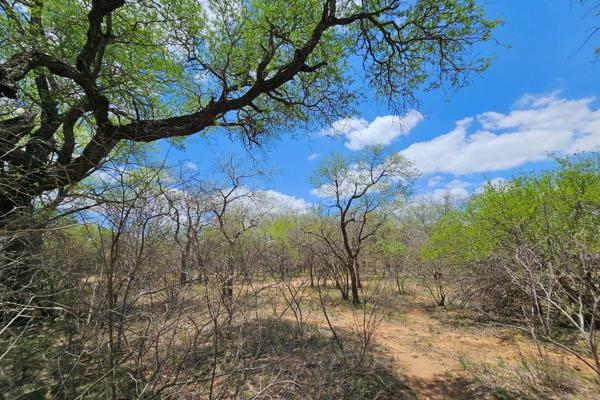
(537, 97)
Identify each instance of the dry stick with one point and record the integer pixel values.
(274, 382)
(13, 343)
(215, 345)
(81, 396)
(335, 336)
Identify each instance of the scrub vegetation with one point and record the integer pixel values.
(125, 277)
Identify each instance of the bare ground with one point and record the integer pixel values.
(430, 350)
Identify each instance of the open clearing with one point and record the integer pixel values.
(439, 352)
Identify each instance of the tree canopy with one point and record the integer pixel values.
(547, 210)
(79, 78)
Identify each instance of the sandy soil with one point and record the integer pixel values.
(427, 352)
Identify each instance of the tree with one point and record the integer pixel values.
(533, 246)
(357, 192)
(77, 79)
(80, 81)
(229, 218)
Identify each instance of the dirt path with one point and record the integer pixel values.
(428, 352)
(424, 353)
(431, 374)
(430, 347)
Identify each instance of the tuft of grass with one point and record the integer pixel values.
(308, 366)
(536, 376)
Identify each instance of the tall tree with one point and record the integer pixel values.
(78, 78)
(357, 193)
(81, 79)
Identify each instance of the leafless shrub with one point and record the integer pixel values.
(367, 318)
(291, 287)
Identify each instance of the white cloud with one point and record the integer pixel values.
(536, 126)
(496, 183)
(359, 177)
(359, 133)
(454, 190)
(190, 166)
(258, 202)
(434, 181)
(103, 177)
(273, 202)
(354, 180)
(313, 156)
(453, 193)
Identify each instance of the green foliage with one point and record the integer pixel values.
(390, 240)
(83, 77)
(172, 57)
(542, 209)
(372, 176)
(26, 365)
(281, 231)
(453, 240)
(392, 248)
(279, 228)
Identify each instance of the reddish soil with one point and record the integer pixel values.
(427, 352)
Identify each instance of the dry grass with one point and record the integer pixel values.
(284, 365)
(418, 351)
(431, 346)
(536, 376)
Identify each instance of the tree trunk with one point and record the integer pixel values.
(440, 288)
(228, 286)
(442, 301)
(20, 248)
(342, 288)
(400, 284)
(354, 283)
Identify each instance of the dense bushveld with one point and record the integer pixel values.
(123, 278)
(164, 285)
